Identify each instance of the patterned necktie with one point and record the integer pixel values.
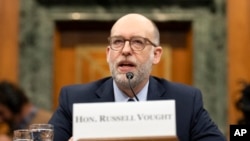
(131, 100)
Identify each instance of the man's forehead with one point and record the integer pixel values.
(132, 20)
(133, 17)
(132, 27)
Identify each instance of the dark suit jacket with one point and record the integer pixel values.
(193, 121)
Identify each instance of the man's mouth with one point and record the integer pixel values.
(126, 66)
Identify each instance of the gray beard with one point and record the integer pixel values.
(139, 76)
(122, 81)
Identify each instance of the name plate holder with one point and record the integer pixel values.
(125, 121)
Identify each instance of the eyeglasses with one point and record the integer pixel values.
(136, 43)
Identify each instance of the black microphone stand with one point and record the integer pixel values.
(130, 76)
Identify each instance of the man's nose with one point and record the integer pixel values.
(127, 48)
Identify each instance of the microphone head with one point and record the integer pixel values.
(129, 75)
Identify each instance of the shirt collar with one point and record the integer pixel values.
(122, 97)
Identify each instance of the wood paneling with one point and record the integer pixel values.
(238, 14)
(9, 21)
(64, 70)
(182, 60)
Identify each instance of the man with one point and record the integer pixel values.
(134, 47)
(16, 110)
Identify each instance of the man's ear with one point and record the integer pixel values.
(157, 54)
(107, 53)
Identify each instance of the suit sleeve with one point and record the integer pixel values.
(203, 128)
(62, 118)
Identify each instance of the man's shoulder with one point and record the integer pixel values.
(91, 91)
(182, 93)
(93, 84)
(169, 85)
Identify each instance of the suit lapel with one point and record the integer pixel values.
(156, 90)
(105, 92)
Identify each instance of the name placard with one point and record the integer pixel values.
(124, 119)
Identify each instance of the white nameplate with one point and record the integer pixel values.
(124, 119)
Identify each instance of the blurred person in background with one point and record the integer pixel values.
(17, 111)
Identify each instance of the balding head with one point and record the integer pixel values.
(136, 25)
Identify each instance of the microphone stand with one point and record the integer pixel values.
(130, 76)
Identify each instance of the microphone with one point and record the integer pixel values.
(130, 76)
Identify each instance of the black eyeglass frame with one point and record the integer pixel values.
(129, 40)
